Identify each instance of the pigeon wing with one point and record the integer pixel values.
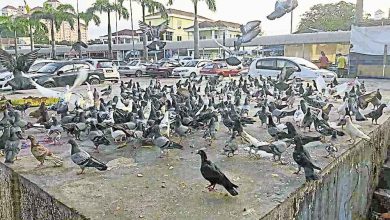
(250, 26)
(25, 61)
(7, 60)
(80, 158)
(248, 37)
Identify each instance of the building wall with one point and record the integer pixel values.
(312, 51)
(176, 24)
(8, 11)
(65, 33)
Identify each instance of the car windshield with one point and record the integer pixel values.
(191, 63)
(305, 63)
(50, 68)
(209, 66)
(133, 63)
(104, 64)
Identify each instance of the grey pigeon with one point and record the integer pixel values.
(83, 159)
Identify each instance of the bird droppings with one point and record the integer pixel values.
(170, 168)
(140, 175)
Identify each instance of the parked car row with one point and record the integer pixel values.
(52, 73)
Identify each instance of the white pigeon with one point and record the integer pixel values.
(354, 132)
(147, 110)
(321, 84)
(121, 106)
(298, 116)
(67, 94)
(341, 109)
(252, 140)
(118, 135)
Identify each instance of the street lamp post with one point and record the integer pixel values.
(291, 24)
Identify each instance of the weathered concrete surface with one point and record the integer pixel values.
(346, 187)
(22, 199)
(173, 188)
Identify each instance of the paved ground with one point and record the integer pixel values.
(141, 185)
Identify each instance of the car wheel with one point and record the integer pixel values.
(138, 73)
(192, 75)
(49, 85)
(94, 81)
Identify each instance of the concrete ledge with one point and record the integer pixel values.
(22, 199)
(347, 185)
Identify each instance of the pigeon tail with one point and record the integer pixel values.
(229, 186)
(97, 164)
(175, 146)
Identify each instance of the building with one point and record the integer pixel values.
(9, 10)
(215, 30)
(125, 36)
(178, 21)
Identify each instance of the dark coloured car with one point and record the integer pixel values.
(65, 73)
(162, 69)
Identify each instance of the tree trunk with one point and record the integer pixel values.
(16, 43)
(145, 39)
(79, 36)
(53, 40)
(31, 37)
(110, 55)
(196, 32)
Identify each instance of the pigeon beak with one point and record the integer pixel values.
(197, 152)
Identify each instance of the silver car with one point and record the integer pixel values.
(135, 68)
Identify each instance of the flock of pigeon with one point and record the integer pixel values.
(162, 116)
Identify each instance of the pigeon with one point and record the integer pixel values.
(303, 159)
(13, 145)
(354, 132)
(83, 159)
(279, 147)
(282, 7)
(42, 154)
(298, 116)
(214, 175)
(231, 146)
(376, 114)
(163, 142)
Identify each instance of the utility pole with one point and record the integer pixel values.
(116, 23)
(132, 28)
(79, 31)
(359, 12)
(292, 19)
(224, 44)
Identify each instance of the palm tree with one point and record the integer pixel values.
(151, 6)
(211, 4)
(107, 7)
(56, 16)
(87, 16)
(17, 25)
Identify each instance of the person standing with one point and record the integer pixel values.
(324, 61)
(341, 65)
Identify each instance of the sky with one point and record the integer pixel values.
(228, 10)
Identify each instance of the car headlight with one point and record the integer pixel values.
(8, 77)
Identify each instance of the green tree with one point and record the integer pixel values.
(328, 17)
(18, 26)
(211, 4)
(87, 16)
(55, 16)
(151, 6)
(107, 7)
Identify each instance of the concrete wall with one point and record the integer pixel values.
(22, 199)
(346, 188)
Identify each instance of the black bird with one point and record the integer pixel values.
(303, 159)
(214, 175)
(83, 159)
(376, 114)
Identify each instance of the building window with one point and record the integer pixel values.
(169, 36)
(150, 23)
(216, 36)
(202, 37)
(179, 38)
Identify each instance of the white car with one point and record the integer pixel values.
(5, 76)
(303, 69)
(184, 60)
(190, 69)
(109, 69)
